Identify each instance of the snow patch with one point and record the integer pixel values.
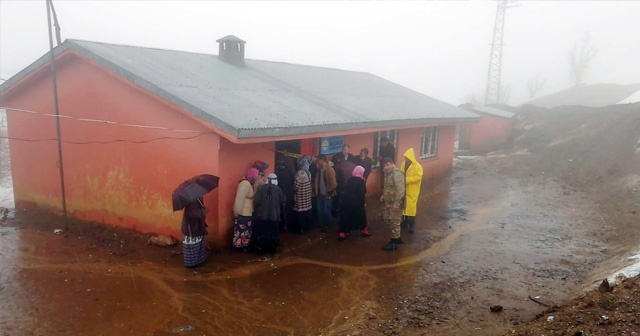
(6, 193)
(629, 271)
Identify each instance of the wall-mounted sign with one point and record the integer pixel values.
(331, 145)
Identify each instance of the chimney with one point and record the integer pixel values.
(231, 50)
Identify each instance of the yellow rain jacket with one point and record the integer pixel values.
(413, 180)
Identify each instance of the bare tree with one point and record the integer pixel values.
(580, 57)
(534, 85)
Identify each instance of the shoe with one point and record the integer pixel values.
(365, 233)
(342, 236)
(410, 227)
(324, 229)
(391, 246)
(301, 232)
(399, 241)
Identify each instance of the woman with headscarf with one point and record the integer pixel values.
(268, 204)
(352, 213)
(194, 228)
(243, 210)
(302, 195)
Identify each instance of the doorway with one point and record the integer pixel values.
(291, 146)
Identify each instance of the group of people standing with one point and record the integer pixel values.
(295, 199)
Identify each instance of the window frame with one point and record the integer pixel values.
(429, 142)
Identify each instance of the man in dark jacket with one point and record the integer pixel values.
(268, 203)
(343, 156)
(365, 161)
(386, 151)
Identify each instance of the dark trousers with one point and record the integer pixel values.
(288, 220)
(410, 221)
(303, 220)
(315, 219)
(324, 211)
(335, 204)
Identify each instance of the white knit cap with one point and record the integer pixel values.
(273, 178)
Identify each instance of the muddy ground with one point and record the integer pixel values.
(547, 218)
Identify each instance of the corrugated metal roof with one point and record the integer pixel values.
(266, 98)
(633, 98)
(494, 111)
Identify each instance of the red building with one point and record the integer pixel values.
(210, 114)
(492, 132)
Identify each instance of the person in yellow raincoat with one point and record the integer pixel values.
(413, 178)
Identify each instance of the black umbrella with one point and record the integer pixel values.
(190, 190)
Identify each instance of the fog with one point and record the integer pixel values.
(438, 48)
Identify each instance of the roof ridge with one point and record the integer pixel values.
(79, 41)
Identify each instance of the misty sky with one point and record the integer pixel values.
(440, 48)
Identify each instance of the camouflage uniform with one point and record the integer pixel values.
(393, 193)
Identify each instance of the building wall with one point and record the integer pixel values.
(407, 138)
(122, 184)
(490, 133)
(435, 166)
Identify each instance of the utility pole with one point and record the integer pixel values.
(492, 95)
(55, 105)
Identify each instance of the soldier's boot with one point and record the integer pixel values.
(398, 241)
(391, 245)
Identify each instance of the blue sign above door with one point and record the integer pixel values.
(331, 145)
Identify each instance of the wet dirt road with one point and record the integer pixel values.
(483, 238)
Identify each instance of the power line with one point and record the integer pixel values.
(104, 142)
(100, 121)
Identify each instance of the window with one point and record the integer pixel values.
(392, 135)
(429, 146)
